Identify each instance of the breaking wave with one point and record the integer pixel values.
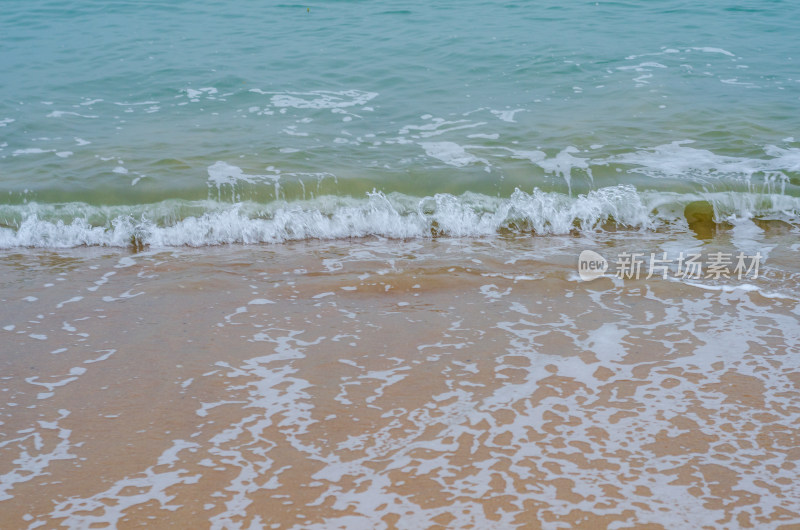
(201, 223)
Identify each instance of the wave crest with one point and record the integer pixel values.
(201, 223)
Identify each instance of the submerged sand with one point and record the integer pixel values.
(390, 384)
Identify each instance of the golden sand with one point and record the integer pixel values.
(374, 384)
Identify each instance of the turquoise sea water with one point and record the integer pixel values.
(395, 316)
(206, 122)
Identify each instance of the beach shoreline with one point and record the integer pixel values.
(389, 384)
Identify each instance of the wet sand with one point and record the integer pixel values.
(390, 384)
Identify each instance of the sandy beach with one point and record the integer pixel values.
(379, 265)
(390, 384)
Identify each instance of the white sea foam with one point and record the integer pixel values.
(451, 154)
(260, 301)
(642, 67)
(62, 113)
(507, 115)
(392, 216)
(436, 127)
(27, 466)
(150, 486)
(222, 175)
(106, 355)
(195, 94)
(126, 104)
(321, 99)
(679, 160)
(563, 163)
(664, 51)
(708, 49)
(31, 151)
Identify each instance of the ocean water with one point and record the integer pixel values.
(198, 123)
(275, 265)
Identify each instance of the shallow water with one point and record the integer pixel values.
(461, 383)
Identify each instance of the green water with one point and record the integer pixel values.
(132, 103)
